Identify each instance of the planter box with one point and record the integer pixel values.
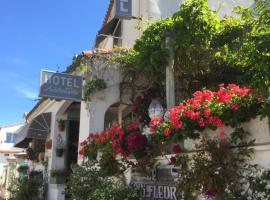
(258, 129)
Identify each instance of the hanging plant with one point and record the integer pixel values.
(48, 143)
(41, 156)
(59, 151)
(92, 86)
(61, 125)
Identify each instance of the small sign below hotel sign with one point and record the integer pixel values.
(159, 184)
(60, 86)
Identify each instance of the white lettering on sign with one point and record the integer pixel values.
(122, 6)
(62, 81)
(157, 191)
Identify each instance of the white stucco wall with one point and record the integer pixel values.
(151, 10)
(161, 9)
(7, 148)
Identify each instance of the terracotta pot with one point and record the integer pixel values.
(143, 160)
(48, 144)
(41, 156)
(61, 126)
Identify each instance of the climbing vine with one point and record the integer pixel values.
(207, 49)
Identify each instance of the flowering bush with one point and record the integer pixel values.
(137, 144)
(214, 167)
(115, 138)
(230, 105)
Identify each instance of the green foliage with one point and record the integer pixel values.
(207, 50)
(26, 188)
(89, 183)
(215, 166)
(92, 86)
(108, 164)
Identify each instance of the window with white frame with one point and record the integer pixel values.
(10, 137)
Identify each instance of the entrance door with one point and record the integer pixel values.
(72, 143)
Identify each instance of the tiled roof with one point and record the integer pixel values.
(108, 13)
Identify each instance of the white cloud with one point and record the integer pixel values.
(29, 94)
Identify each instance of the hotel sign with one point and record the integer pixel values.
(123, 9)
(60, 86)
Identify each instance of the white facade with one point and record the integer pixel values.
(145, 11)
(7, 148)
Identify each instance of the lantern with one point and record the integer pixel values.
(155, 109)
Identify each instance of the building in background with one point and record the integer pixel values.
(8, 136)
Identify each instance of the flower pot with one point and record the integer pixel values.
(61, 126)
(143, 160)
(41, 156)
(141, 156)
(59, 152)
(48, 144)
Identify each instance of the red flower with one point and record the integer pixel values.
(155, 121)
(136, 141)
(223, 96)
(83, 143)
(152, 130)
(81, 152)
(215, 121)
(132, 126)
(207, 113)
(167, 132)
(222, 134)
(201, 123)
(138, 99)
(90, 136)
(134, 108)
(173, 160)
(176, 149)
(234, 106)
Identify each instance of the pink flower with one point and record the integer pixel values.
(176, 149)
(201, 123)
(234, 106)
(167, 132)
(222, 134)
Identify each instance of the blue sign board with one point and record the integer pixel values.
(60, 86)
(123, 9)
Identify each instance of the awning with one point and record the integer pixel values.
(107, 30)
(38, 128)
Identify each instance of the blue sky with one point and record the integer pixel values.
(35, 35)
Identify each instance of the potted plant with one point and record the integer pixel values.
(137, 145)
(59, 151)
(58, 176)
(41, 156)
(31, 154)
(48, 143)
(61, 125)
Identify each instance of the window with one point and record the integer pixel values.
(10, 137)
